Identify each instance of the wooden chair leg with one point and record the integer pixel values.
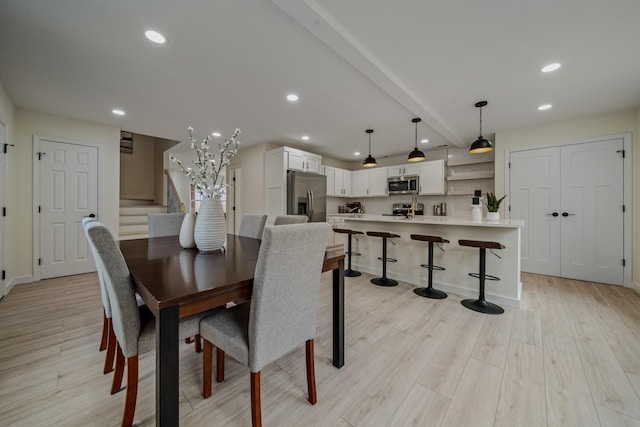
(116, 385)
(219, 365)
(207, 362)
(132, 391)
(105, 331)
(111, 348)
(198, 341)
(311, 373)
(256, 408)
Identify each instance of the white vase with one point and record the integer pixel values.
(493, 216)
(476, 213)
(186, 231)
(211, 229)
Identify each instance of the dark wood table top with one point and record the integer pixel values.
(166, 274)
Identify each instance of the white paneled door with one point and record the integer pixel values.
(68, 192)
(592, 216)
(535, 197)
(571, 198)
(3, 205)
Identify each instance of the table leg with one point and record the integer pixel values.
(338, 315)
(167, 363)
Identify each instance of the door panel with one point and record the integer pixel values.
(534, 196)
(68, 192)
(592, 197)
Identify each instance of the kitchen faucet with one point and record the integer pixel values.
(414, 205)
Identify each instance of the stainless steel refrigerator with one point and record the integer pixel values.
(307, 195)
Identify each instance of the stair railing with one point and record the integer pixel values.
(174, 203)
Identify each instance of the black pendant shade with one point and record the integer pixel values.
(481, 145)
(416, 155)
(369, 162)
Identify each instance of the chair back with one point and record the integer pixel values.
(285, 290)
(165, 224)
(291, 219)
(103, 290)
(252, 225)
(117, 279)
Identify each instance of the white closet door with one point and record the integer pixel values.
(592, 216)
(68, 192)
(534, 195)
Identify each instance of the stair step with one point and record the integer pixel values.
(134, 228)
(133, 219)
(142, 210)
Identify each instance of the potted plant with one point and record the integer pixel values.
(493, 206)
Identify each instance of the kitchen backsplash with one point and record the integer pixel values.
(457, 206)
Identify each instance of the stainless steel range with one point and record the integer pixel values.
(402, 209)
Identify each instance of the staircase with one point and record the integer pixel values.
(133, 220)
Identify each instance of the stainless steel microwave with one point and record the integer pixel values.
(402, 184)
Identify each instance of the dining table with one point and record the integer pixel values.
(175, 282)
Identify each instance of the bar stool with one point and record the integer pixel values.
(349, 272)
(384, 280)
(429, 291)
(481, 305)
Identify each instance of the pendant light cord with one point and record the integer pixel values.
(480, 121)
(369, 144)
(416, 135)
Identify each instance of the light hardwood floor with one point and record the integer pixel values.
(570, 356)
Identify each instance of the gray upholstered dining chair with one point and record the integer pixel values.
(290, 219)
(252, 225)
(108, 341)
(133, 328)
(165, 224)
(282, 312)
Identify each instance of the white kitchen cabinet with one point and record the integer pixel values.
(400, 170)
(330, 173)
(432, 177)
(342, 183)
(302, 161)
(378, 182)
(369, 183)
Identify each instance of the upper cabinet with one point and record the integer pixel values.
(400, 170)
(342, 183)
(330, 173)
(370, 182)
(299, 160)
(432, 177)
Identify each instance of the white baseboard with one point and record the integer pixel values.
(636, 286)
(17, 281)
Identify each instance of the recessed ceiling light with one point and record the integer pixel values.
(155, 36)
(305, 138)
(357, 153)
(117, 112)
(292, 97)
(424, 141)
(216, 134)
(544, 107)
(551, 67)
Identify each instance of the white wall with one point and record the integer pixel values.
(137, 170)
(571, 130)
(20, 191)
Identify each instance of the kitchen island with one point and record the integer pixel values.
(458, 261)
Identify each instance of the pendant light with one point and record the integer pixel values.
(369, 162)
(481, 145)
(416, 155)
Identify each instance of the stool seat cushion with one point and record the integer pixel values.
(382, 234)
(426, 238)
(345, 231)
(481, 244)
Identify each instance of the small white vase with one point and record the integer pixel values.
(186, 231)
(211, 229)
(476, 213)
(493, 216)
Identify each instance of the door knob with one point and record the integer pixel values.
(553, 214)
(565, 214)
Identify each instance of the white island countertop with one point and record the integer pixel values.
(434, 220)
(457, 260)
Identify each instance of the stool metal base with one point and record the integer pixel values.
(384, 281)
(482, 306)
(351, 273)
(430, 293)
